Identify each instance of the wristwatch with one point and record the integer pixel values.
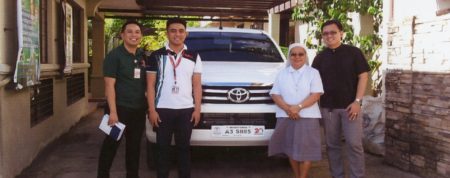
(359, 101)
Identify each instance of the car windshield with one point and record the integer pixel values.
(232, 46)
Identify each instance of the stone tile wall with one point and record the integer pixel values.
(417, 96)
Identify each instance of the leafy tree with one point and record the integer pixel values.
(112, 30)
(157, 40)
(150, 42)
(317, 12)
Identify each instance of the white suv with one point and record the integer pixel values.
(239, 67)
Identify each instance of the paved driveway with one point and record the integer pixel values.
(75, 155)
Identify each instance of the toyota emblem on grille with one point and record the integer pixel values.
(238, 95)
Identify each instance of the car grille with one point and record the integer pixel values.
(222, 95)
(209, 119)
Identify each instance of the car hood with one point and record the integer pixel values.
(239, 73)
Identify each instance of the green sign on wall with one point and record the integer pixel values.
(28, 58)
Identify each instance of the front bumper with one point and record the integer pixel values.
(229, 114)
(203, 137)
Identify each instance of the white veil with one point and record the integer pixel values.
(294, 45)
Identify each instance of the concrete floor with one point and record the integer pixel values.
(75, 155)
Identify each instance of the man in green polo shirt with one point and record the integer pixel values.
(125, 93)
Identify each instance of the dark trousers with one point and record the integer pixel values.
(134, 120)
(174, 122)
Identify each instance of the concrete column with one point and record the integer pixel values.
(98, 55)
(266, 27)
(301, 32)
(8, 52)
(247, 25)
(274, 26)
(297, 32)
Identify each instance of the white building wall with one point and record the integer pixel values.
(420, 8)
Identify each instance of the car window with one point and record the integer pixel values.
(232, 46)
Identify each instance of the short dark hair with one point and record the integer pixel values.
(124, 26)
(333, 21)
(175, 20)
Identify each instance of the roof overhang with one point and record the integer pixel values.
(237, 9)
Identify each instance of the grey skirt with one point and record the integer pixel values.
(297, 139)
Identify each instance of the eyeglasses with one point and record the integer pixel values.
(329, 33)
(297, 54)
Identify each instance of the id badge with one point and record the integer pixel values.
(175, 89)
(137, 73)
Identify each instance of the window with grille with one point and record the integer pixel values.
(41, 101)
(77, 33)
(75, 88)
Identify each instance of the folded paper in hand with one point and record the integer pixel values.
(114, 131)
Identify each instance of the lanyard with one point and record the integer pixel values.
(175, 65)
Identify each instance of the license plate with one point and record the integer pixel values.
(238, 131)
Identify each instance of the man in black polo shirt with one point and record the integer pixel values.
(125, 84)
(344, 72)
